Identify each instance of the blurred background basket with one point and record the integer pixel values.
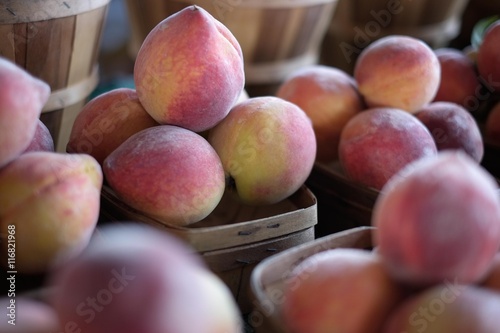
(276, 36)
(58, 42)
(234, 238)
(356, 23)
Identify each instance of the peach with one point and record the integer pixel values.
(488, 57)
(459, 80)
(329, 96)
(447, 308)
(438, 220)
(27, 315)
(378, 142)
(398, 71)
(189, 70)
(50, 206)
(492, 124)
(152, 284)
(107, 121)
(42, 140)
(339, 290)
(167, 172)
(18, 116)
(453, 127)
(267, 147)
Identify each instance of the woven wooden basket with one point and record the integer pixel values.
(276, 36)
(267, 279)
(58, 42)
(234, 237)
(356, 23)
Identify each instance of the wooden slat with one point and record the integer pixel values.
(272, 27)
(22, 11)
(20, 42)
(7, 42)
(226, 235)
(49, 36)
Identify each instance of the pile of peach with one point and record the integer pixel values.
(170, 149)
(188, 133)
(435, 266)
(403, 102)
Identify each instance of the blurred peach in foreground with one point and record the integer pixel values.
(152, 284)
(26, 315)
(22, 97)
(42, 140)
(339, 290)
(50, 206)
(438, 220)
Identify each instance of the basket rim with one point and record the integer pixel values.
(353, 237)
(16, 11)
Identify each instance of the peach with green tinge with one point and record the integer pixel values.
(267, 147)
(106, 122)
(52, 200)
(189, 70)
(167, 172)
(398, 71)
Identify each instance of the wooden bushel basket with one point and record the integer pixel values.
(58, 42)
(342, 204)
(268, 277)
(276, 36)
(356, 23)
(234, 237)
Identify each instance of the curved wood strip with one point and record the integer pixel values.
(16, 11)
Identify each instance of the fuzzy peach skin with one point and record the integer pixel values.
(329, 96)
(453, 127)
(378, 142)
(27, 315)
(152, 284)
(459, 79)
(488, 57)
(339, 290)
(438, 220)
(22, 97)
(167, 172)
(448, 307)
(189, 70)
(398, 71)
(52, 200)
(267, 147)
(107, 121)
(42, 140)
